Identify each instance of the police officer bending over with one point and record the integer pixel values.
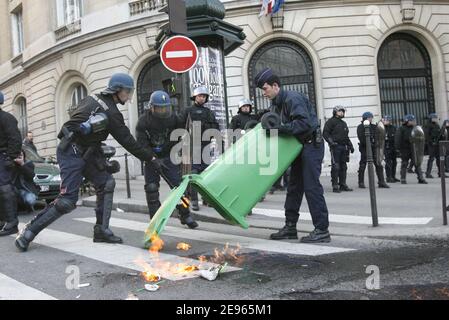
(336, 133)
(153, 132)
(80, 155)
(10, 149)
(299, 119)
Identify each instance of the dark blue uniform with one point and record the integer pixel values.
(205, 117)
(83, 157)
(299, 119)
(390, 153)
(154, 133)
(10, 148)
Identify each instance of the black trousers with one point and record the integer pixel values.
(391, 163)
(339, 169)
(305, 180)
(362, 168)
(406, 158)
(434, 154)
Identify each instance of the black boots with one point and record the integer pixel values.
(8, 209)
(383, 184)
(336, 189)
(186, 218)
(46, 217)
(317, 236)
(345, 188)
(195, 205)
(287, 232)
(102, 234)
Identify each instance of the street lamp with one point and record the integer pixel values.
(277, 20)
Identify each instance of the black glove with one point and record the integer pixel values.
(351, 148)
(112, 166)
(156, 164)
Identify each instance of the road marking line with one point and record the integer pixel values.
(179, 54)
(341, 218)
(117, 254)
(11, 289)
(233, 240)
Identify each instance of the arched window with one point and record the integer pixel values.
(290, 62)
(405, 77)
(79, 92)
(22, 116)
(154, 76)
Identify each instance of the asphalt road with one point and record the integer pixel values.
(260, 269)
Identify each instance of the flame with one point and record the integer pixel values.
(158, 267)
(156, 244)
(227, 254)
(149, 273)
(151, 277)
(183, 246)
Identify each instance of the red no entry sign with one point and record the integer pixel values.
(179, 54)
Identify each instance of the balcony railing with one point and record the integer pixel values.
(143, 6)
(68, 30)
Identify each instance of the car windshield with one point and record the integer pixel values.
(31, 155)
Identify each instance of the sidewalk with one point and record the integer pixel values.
(410, 210)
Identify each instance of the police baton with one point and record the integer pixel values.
(370, 161)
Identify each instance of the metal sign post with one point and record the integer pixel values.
(370, 161)
(444, 146)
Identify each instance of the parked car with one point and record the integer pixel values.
(47, 175)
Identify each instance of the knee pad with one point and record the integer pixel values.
(152, 188)
(109, 187)
(64, 206)
(7, 191)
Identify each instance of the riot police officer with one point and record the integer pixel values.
(200, 115)
(244, 115)
(80, 155)
(299, 119)
(153, 131)
(432, 133)
(403, 143)
(363, 155)
(390, 149)
(336, 133)
(10, 149)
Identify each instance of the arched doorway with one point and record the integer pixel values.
(154, 76)
(288, 60)
(405, 78)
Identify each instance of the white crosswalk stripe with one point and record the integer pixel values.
(350, 219)
(120, 255)
(11, 289)
(233, 240)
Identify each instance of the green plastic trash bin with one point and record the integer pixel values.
(238, 180)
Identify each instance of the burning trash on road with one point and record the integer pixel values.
(161, 266)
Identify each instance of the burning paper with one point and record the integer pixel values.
(183, 246)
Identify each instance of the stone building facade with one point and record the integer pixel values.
(387, 57)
